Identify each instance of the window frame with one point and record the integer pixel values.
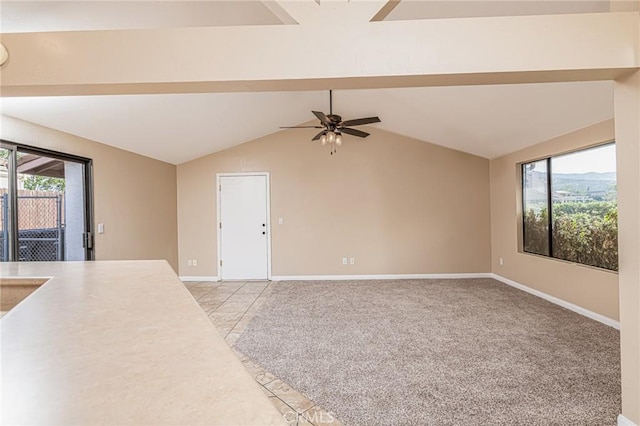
(88, 207)
(521, 200)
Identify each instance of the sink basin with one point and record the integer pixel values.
(15, 290)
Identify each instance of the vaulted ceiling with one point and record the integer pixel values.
(488, 121)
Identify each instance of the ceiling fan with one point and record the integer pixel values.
(333, 127)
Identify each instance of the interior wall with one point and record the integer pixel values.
(395, 204)
(627, 117)
(591, 288)
(134, 196)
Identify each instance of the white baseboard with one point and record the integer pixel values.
(377, 277)
(575, 308)
(623, 421)
(184, 278)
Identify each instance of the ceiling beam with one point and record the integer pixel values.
(325, 14)
(307, 57)
(440, 80)
(279, 12)
(385, 10)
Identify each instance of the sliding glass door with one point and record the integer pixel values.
(5, 242)
(45, 210)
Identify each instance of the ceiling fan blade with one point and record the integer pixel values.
(302, 127)
(323, 118)
(361, 121)
(354, 132)
(319, 135)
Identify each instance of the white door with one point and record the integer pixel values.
(243, 227)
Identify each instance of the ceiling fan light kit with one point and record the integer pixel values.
(331, 138)
(333, 127)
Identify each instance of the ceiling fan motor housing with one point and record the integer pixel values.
(333, 125)
(334, 118)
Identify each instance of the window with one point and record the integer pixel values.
(570, 208)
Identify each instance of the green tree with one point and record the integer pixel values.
(43, 183)
(35, 182)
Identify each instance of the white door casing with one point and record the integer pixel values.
(243, 226)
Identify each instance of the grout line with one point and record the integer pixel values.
(222, 303)
(216, 286)
(247, 310)
(270, 381)
(299, 414)
(276, 396)
(204, 294)
(313, 406)
(264, 385)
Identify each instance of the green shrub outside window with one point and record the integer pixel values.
(579, 189)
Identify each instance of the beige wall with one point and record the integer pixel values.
(395, 204)
(591, 288)
(134, 196)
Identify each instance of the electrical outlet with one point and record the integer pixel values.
(501, 261)
(344, 260)
(195, 262)
(352, 261)
(189, 262)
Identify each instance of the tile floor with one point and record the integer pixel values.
(230, 306)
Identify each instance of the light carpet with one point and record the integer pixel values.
(437, 352)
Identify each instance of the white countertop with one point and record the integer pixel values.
(119, 343)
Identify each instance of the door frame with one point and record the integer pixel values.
(218, 215)
(88, 237)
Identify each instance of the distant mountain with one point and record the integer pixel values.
(596, 186)
(610, 176)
